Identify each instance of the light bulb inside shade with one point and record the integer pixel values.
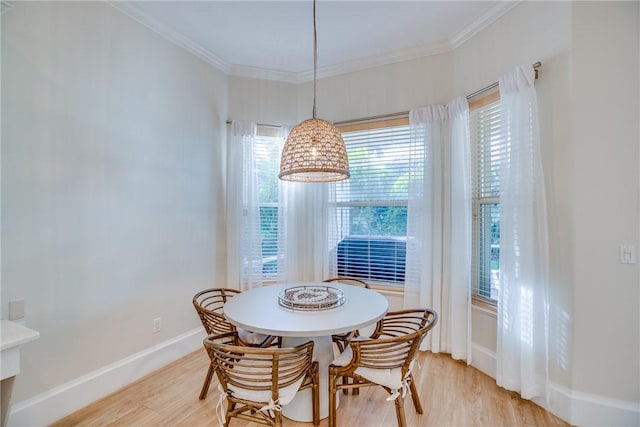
(314, 152)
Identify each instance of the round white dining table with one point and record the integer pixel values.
(258, 310)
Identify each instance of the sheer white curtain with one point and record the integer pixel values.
(337, 230)
(244, 246)
(303, 219)
(522, 347)
(438, 268)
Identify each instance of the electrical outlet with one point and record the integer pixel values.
(16, 309)
(157, 324)
(627, 254)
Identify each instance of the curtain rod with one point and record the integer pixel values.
(260, 124)
(493, 85)
(536, 66)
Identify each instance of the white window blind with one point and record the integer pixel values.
(370, 227)
(489, 151)
(265, 158)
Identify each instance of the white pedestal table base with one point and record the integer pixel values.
(301, 407)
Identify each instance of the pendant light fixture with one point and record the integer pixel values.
(314, 150)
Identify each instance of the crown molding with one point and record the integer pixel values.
(4, 7)
(323, 72)
(376, 61)
(482, 22)
(171, 35)
(263, 74)
(341, 68)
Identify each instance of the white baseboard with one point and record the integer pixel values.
(45, 408)
(483, 359)
(577, 408)
(584, 409)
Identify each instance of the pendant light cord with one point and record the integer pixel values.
(315, 57)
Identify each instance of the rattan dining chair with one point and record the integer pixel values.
(209, 305)
(257, 382)
(342, 340)
(386, 360)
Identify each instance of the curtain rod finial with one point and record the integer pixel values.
(536, 66)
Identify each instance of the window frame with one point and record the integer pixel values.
(366, 125)
(269, 134)
(478, 202)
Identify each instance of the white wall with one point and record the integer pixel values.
(263, 101)
(381, 90)
(112, 186)
(605, 146)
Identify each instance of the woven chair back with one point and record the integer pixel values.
(349, 281)
(258, 369)
(388, 353)
(209, 305)
(403, 322)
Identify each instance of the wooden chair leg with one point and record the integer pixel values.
(207, 383)
(332, 399)
(316, 395)
(345, 381)
(230, 407)
(402, 422)
(414, 395)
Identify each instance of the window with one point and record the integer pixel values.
(489, 152)
(370, 227)
(266, 155)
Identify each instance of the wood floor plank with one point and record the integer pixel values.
(452, 394)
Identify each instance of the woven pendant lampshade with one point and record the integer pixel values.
(314, 150)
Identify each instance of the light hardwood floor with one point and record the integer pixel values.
(452, 394)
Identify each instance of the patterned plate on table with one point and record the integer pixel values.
(311, 298)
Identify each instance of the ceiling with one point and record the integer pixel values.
(274, 39)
